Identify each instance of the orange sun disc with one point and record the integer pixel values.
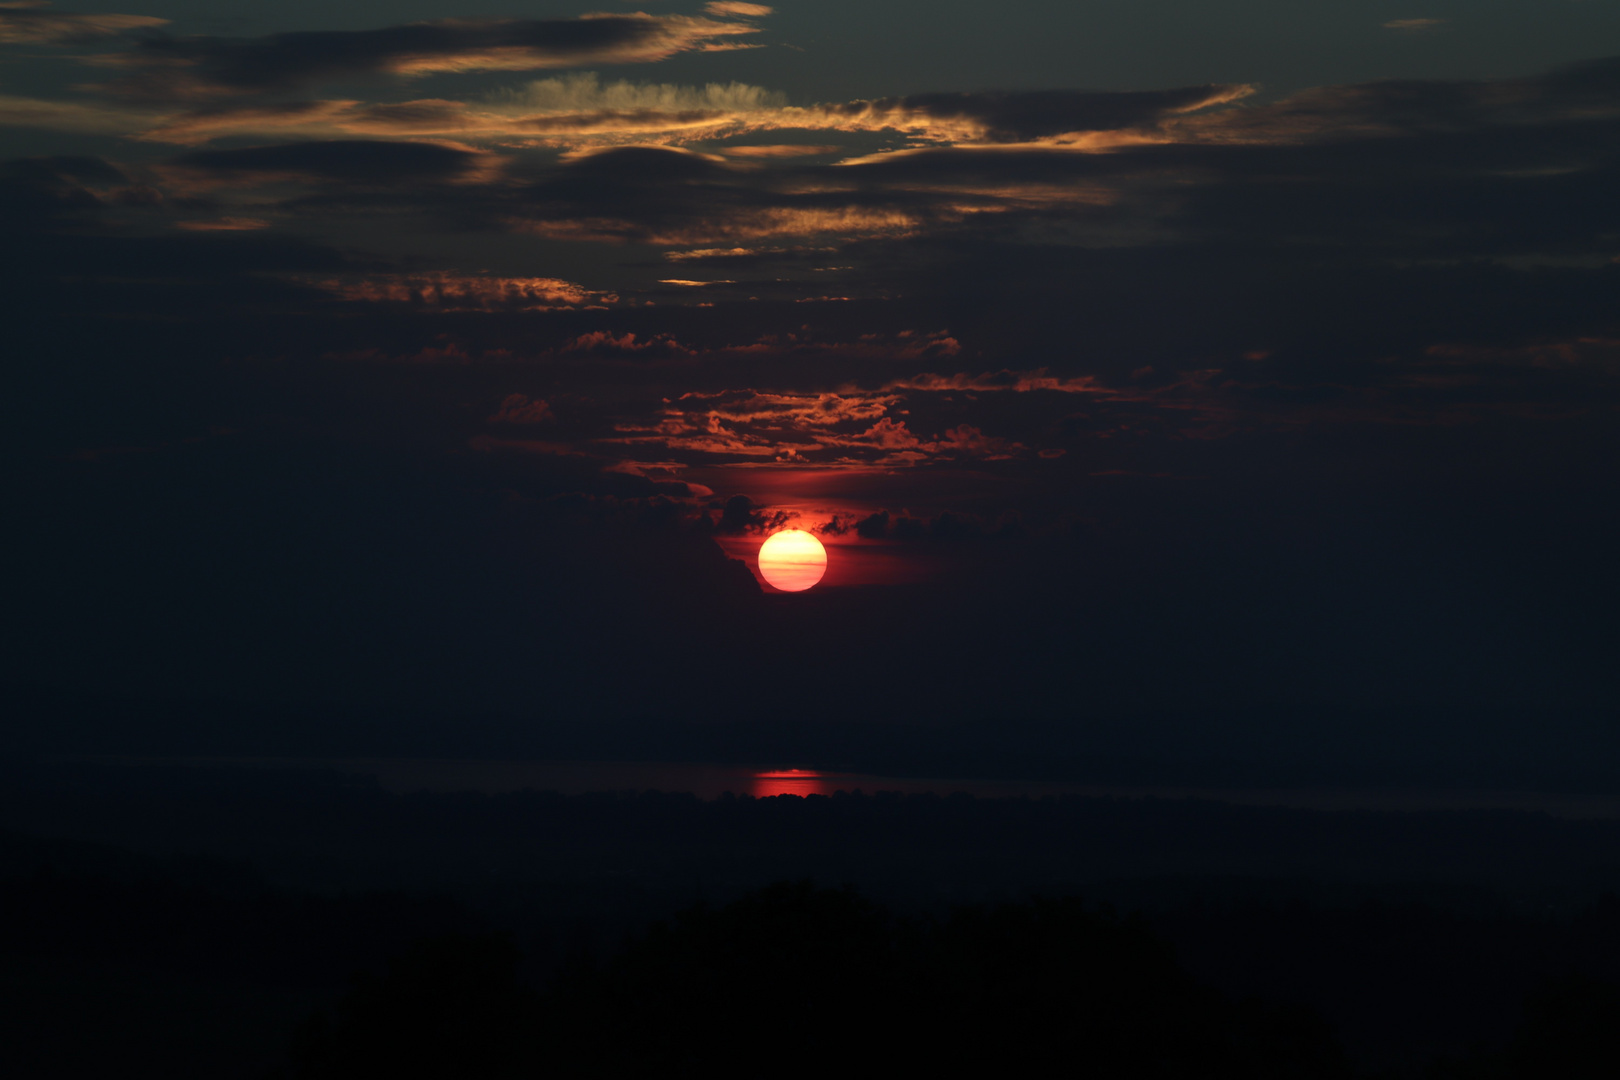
(792, 560)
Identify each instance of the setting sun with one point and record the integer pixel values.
(792, 560)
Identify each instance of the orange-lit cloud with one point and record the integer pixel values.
(520, 409)
(1074, 119)
(461, 292)
(570, 110)
(1015, 381)
(201, 125)
(580, 110)
(27, 22)
(738, 224)
(182, 68)
(79, 117)
(225, 224)
(736, 7)
(773, 151)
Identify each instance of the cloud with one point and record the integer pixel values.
(438, 116)
(336, 161)
(584, 92)
(1375, 110)
(741, 516)
(581, 110)
(849, 428)
(676, 198)
(571, 110)
(736, 7)
(201, 125)
(970, 441)
(1190, 171)
(800, 411)
(873, 527)
(448, 292)
(189, 67)
(778, 150)
(225, 224)
(894, 443)
(606, 342)
(1018, 116)
(47, 194)
(26, 22)
(79, 117)
(888, 434)
(520, 409)
(1014, 381)
(1212, 279)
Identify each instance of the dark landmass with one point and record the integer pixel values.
(237, 900)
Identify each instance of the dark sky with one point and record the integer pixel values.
(1171, 356)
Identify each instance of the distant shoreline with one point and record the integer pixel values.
(711, 781)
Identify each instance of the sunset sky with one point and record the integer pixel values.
(1161, 355)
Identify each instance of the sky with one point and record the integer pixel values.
(1203, 358)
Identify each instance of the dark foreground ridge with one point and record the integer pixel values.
(793, 978)
(796, 980)
(115, 962)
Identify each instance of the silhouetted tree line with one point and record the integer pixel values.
(798, 981)
(69, 904)
(795, 980)
(791, 978)
(1405, 975)
(1570, 1031)
(1404, 981)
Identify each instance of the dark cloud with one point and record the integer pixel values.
(1586, 90)
(356, 161)
(28, 22)
(186, 67)
(874, 526)
(40, 194)
(906, 527)
(519, 409)
(740, 515)
(444, 292)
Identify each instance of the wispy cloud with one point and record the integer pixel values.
(581, 110)
(738, 8)
(519, 409)
(575, 109)
(467, 292)
(224, 224)
(584, 92)
(27, 22)
(191, 67)
(390, 164)
(79, 117)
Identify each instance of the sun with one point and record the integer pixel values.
(792, 560)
